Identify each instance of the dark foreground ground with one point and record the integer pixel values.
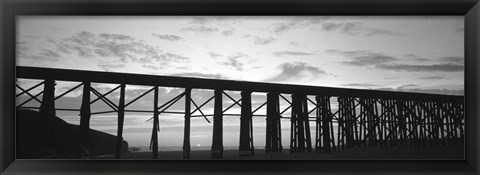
(437, 153)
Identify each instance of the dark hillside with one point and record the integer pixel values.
(33, 140)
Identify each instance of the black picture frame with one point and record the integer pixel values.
(10, 8)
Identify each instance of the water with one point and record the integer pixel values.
(176, 148)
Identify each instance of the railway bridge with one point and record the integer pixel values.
(364, 118)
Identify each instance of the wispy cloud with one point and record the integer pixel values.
(43, 55)
(168, 37)
(49, 53)
(109, 66)
(407, 86)
(455, 59)
(387, 62)
(297, 23)
(234, 61)
(360, 85)
(370, 59)
(428, 91)
(373, 31)
(422, 68)
(292, 53)
(115, 36)
(200, 29)
(364, 58)
(459, 30)
(296, 71)
(214, 55)
(261, 40)
(433, 78)
(357, 28)
(227, 32)
(205, 20)
(125, 48)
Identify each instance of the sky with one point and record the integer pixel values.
(397, 53)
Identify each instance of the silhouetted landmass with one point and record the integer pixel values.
(34, 141)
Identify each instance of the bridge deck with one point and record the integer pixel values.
(200, 83)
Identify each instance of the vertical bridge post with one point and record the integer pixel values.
(47, 108)
(186, 137)
(323, 121)
(156, 125)
(273, 135)
(300, 138)
(246, 141)
(121, 117)
(217, 141)
(47, 112)
(347, 122)
(85, 114)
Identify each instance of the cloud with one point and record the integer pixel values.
(294, 43)
(296, 71)
(382, 61)
(407, 86)
(108, 66)
(355, 28)
(200, 75)
(428, 91)
(38, 58)
(457, 59)
(115, 36)
(234, 61)
(153, 67)
(227, 32)
(117, 46)
(82, 38)
(360, 85)
(172, 57)
(214, 55)
(204, 20)
(200, 29)
(348, 53)
(49, 53)
(261, 40)
(297, 23)
(372, 32)
(422, 68)
(370, 59)
(168, 37)
(43, 55)
(351, 28)
(433, 78)
(459, 30)
(292, 53)
(364, 58)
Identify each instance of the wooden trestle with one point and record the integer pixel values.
(364, 118)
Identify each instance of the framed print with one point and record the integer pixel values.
(240, 87)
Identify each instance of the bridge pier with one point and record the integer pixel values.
(300, 129)
(323, 125)
(274, 132)
(186, 137)
(217, 141)
(85, 114)
(47, 108)
(156, 125)
(347, 122)
(368, 122)
(121, 118)
(47, 112)
(246, 126)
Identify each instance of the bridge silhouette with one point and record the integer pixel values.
(365, 118)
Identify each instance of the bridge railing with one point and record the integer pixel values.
(363, 117)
